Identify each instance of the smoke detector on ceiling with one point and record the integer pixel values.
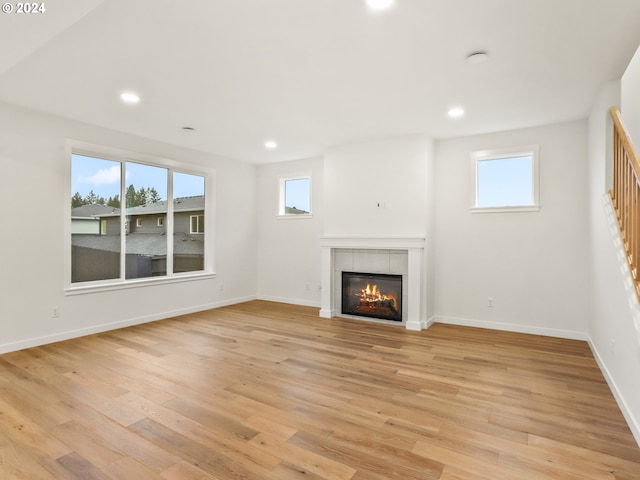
(477, 57)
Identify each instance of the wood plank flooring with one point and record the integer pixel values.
(271, 391)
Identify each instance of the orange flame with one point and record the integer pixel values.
(372, 295)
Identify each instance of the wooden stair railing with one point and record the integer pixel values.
(625, 194)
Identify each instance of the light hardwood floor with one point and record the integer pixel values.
(270, 391)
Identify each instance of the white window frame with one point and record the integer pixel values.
(123, 156)
(505, 153)
(197, 217)
(139, 222)
(282, 182)
(160, 221)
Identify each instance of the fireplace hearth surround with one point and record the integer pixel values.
(385, 255)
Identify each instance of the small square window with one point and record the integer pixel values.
(295, 196)
(505, 180)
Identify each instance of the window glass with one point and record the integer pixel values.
(146, 194)
(295, 196)
(188, 220)
(95, 219)
(505, 180)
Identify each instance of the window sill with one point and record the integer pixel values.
(142, 282)
(291, 216)
(528, 208)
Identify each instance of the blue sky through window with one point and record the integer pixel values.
(297, 194)
(505, 182)
(146, 176)
(103, 177)
(186, 185)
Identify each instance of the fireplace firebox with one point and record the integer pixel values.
(373, 295)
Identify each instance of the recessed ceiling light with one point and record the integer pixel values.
(379, 4)
(129, 97)
(477, 57)
(455, 112)
(270, 144)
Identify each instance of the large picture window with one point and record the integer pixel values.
(132, 220)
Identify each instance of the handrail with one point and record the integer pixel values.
(626, 137)
(625, 194)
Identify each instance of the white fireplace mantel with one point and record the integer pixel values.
(415, 248)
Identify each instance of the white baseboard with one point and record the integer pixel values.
(327, 313)
(633, 423)
(82, 332)
(291, 301)
(420, 325)
(512, 327)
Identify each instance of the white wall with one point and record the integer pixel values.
(630, 98)
(614, 338)
(33, 160)
(533, 264)
(289, 248)
(392, 171)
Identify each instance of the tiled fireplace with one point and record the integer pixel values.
(399, 258)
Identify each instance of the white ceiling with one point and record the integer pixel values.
(312, 74)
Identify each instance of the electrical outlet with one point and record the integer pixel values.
(55, 312)
(490, 302)
(381, 205)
